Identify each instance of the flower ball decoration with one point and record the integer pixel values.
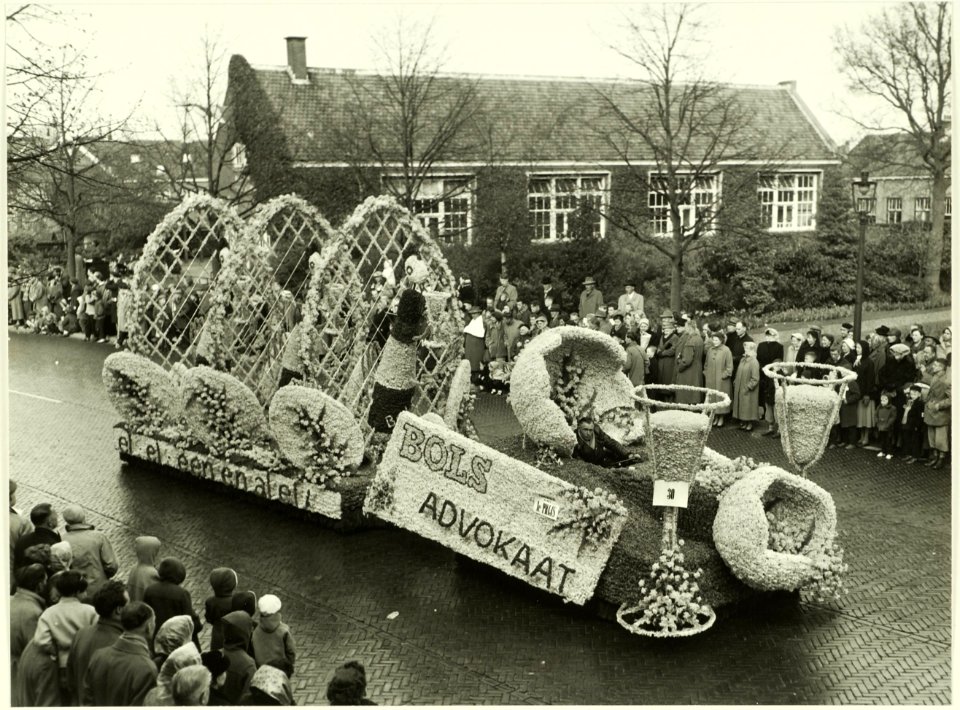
(807, 408)
(772, 526)
(310, 426)
(396, 379)
(538, 366)
(142, 392)
(222, 411)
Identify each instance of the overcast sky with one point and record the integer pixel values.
(141, 47)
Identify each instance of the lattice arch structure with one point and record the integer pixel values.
(353, 285)
(256, 296)
(172, 284)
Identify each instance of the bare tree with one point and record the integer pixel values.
(198, 156)
(63, 181)
(410, 116)
(688, 125)
(902, 57)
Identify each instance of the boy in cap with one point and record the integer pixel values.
(272, 639)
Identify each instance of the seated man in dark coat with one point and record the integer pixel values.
(596, 447)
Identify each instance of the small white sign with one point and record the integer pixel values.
(672, 494)
(547, 508)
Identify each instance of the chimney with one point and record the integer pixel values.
(790, 86)
(297, 58)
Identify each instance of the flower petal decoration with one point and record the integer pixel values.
(539, 363)
(767, 499)
(296, 441)
(222, 411)
(141, 391)
(459, 388)
(806, 412)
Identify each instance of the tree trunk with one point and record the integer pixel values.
(676, 283)
(935, 243)
(70, 247)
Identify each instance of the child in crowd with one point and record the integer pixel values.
(223, 581)
(886, 418)
(810, 357)
(272, 640)
(911, 425)
(146, 547)
(499, 376)
(746, 392)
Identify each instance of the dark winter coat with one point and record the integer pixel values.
(635, 365)
(913, 414)
(121, 674)
(666, 359)
(735, 343)
(40, 536)
(768, 352)
(849, 406)
(223, 582)
(689, 370)
(168, 599)
(237, 631)
(866, 372)
(25, 610)
(87, 642)
(897, 374)
(886, 417)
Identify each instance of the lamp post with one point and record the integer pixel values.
(864, 198)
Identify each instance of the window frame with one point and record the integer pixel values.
(716, 176)
(795, 203)
(897, 210)
(460, 236)
(553, 195)
(923, 215)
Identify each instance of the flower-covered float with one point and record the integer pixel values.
(369, 420)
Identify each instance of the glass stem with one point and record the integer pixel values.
(669, 539)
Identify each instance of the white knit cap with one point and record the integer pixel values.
(269, 604)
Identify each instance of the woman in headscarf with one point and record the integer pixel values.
(175, 632)
(867, 380)
(61, 557)
(181, 657)
(269, 686)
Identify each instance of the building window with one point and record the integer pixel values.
(788, 201)
(948, 207)
(700, 203)
(921, 209)
(553, 200)
(239, 157)
(444, 206)
(894, 210)
(134, 159)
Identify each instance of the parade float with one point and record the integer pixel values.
(372, 424)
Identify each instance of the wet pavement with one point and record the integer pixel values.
(465, 634)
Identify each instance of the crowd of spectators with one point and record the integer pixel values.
(899, 403)
(82, 633)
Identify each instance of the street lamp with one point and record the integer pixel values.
(864, 199)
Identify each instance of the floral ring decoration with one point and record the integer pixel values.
(807, 408)
(316, 433)
(771, 526)
(141, 391)
(222, 411)
(567, 372)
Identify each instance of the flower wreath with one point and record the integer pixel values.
(754, 516)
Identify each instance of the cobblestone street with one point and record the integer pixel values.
(469, 635)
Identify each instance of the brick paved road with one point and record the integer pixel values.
(468, 635)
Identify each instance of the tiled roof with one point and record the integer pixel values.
(534, 120)
(886, 155)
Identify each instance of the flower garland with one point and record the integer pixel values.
(670, 602)
(568, 390)
(222, 411)
(235, 229)
(782, 557)
(807, 409)
(142, 392)
(591, 514)
(327, 462)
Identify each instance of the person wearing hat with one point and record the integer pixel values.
(603, 320)
(550, 295)
(93, 554)
(768, 352)
(936, 415)
(466, 293)
(893, 336)
(474, 345)
(618, 328)
(540, 325)
(898, 371)
(630, 299)
(666, 356)
(736, 340)
(556, 316)
(689, 367)
(272, 640)
(590, 298)
(845, 330)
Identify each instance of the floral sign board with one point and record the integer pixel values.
(494, 509)
(260, 482)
